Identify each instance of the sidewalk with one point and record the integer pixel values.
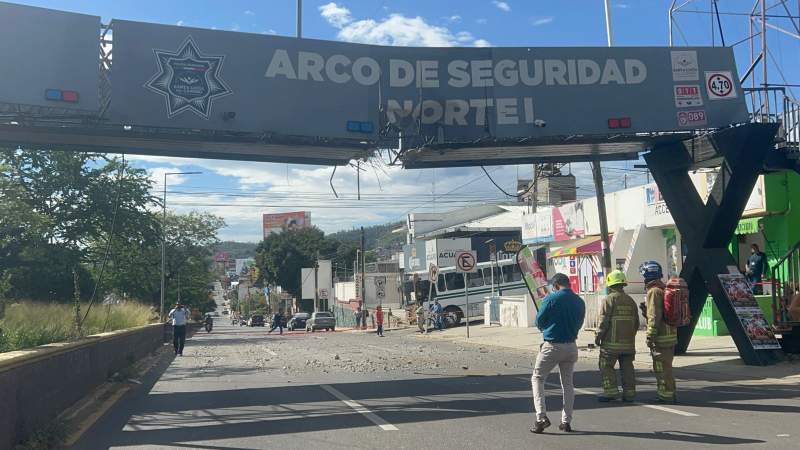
(715, 356)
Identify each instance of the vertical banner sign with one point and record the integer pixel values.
(533, 275)
(740, 294)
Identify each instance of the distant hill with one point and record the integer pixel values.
(376, 237)
(237, 250)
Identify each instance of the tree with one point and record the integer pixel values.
(72, 197)
(92, 214)
(281, 256)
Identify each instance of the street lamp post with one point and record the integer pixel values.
(164, 237)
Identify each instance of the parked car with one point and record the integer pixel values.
(321, 320)
(297, 321)
(256, 320)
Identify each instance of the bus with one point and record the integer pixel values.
(449, 288)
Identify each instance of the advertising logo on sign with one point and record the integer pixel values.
(684, 65)
(691, 119)
(688, 95)
(569, 222)
(720, 86)
(188, 80)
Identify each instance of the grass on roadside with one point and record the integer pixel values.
(30, 324)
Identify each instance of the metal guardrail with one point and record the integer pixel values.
(773, 105)
(785, 285)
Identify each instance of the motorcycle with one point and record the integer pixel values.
(209, 325)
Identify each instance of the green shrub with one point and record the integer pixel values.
(29, 324)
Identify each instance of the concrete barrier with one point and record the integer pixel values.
(38, 384)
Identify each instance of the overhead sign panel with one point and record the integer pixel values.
(184, 77)
(49, 58)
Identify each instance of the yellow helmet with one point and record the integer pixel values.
(616, 277)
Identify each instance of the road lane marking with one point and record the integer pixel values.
(657, 407)
(374, 418)
(669, 410)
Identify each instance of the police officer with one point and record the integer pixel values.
(616, 337)
(661, 337)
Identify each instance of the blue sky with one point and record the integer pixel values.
(240, 192)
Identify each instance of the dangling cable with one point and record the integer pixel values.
(108, 242)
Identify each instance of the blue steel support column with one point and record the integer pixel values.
(708, 228)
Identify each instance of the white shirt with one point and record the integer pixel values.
(179, 316)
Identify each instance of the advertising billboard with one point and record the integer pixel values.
(49, 58)
(171, 76)
(278, 223)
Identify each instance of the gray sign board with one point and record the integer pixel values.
(194, 78)
(43, 49)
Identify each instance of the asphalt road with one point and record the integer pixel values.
(239, 388)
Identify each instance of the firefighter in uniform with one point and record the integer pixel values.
(616, 337)
(661, 338)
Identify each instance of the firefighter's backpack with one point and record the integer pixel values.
(676, 303)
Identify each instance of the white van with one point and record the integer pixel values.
(449, 288)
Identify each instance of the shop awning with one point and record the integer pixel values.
(748, 226)
(587, 245)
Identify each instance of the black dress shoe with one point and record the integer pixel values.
(565, 427)
(540, 425)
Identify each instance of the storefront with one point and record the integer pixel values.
(579, 259)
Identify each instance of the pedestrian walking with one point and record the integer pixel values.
(661, 337)
(364, 316)
(357, 316)
(179, 317)
(756, 268)
(616, 337)
(421, 317)
(277, 322)
(379, 320)
(560, 317)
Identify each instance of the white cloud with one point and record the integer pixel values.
(542, 21)
(396, 29)
(621, 5)
(235, 27)
(249, 13)
(266, 187)
(481, 43)
(503, 6)
(453, 19)
(481, 21)
(270, 31)
(336, 15)
(180, 23)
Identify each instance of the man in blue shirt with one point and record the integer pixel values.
(560, 318)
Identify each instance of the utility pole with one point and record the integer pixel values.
(316, 280)
(299, 18)
(601, 211)
(597, 174)
(164, 238)
(363, 271)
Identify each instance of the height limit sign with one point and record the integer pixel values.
(720, 85)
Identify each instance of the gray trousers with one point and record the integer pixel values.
(551, 355)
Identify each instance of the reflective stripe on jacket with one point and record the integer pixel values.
(619, 322)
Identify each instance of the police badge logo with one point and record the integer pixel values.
(188, 80)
